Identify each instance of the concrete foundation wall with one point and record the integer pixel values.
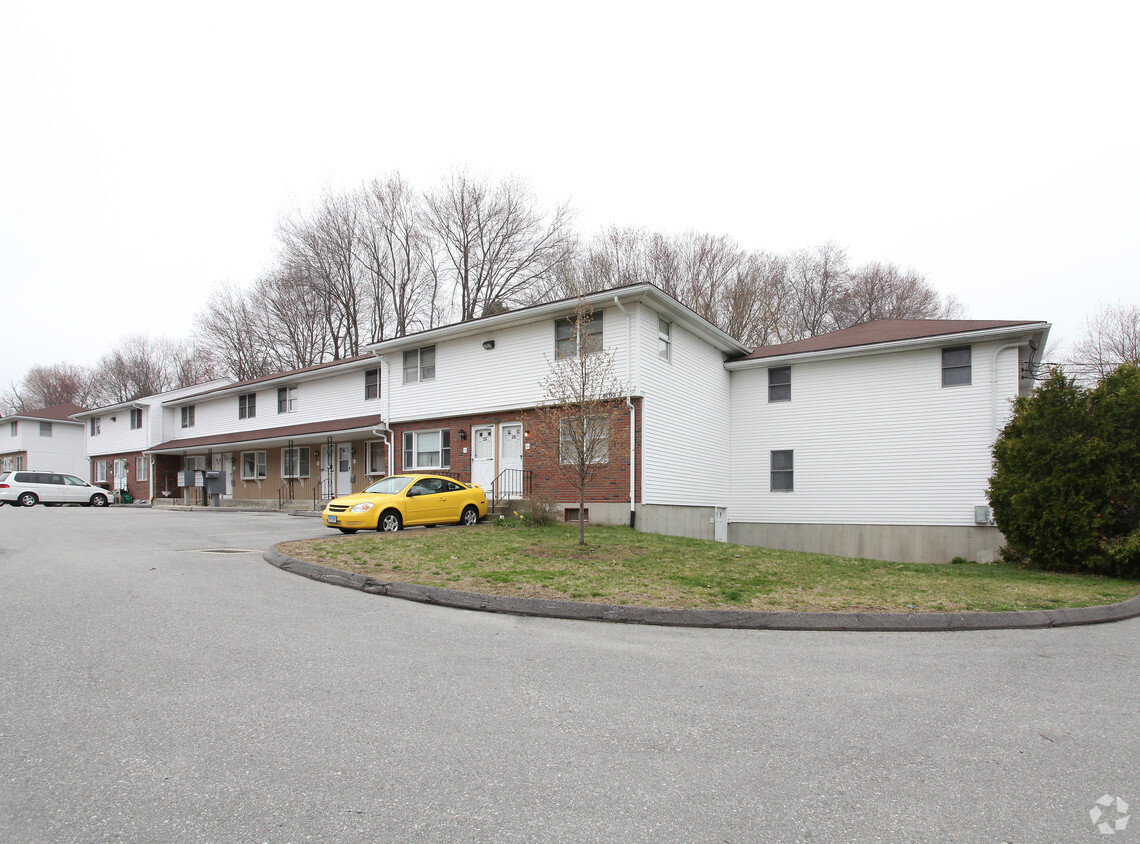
(899, 543)
(673, 520)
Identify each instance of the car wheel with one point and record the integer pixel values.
(470, 516)
(27, 499)
(98, 500)
(389, 521)
(348, 530)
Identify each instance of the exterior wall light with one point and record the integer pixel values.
(488, 344)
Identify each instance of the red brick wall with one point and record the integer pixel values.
(138, 489)
(610, 485)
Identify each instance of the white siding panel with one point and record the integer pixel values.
(115, 437)
(685, 429)
(877, 440)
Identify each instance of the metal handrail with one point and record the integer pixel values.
(511, 483)
(281, 497)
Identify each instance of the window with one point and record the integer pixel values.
(427, 449)
(591, 434)
(136, 418)
(188, 416)
(252, 465)
(99, 471)
(142, 469)
(45, 429)
(286, 399)
(956, 366)
(295, 462)
(372, 383)
(782, 471)
(247, 406)
(664, 338)
(780, 383)
(15, 428)
(95, 425)
(374, 458)
(195, 462)
(419, 365)
(567, 331)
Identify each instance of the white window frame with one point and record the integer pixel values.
(412, 449)
(567, 331)
(142, 468)
(779, 390)
(99, 471)
(95, 425)
(955, 370)
(664, 339)
(136, 418)
(247, 406)
(259, 468)
(377, 466)
(301, 460)
(188, 416)
(372, 384)
(567, 452)
(45, 429)
(417, 366)
(14, 428)
(195, 463)
(287, 399)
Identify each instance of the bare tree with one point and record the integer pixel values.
(816, 281)
(1111, 336)
(881, 290)
(46, 386)
(581, 409)
(295, 328)
(397, 258)
(234, 321)
(499, 250)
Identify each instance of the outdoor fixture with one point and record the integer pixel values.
(112, 418)
(463, 433)
(487, 344)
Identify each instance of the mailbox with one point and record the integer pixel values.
(215, 483)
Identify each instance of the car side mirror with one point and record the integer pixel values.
(412, 493)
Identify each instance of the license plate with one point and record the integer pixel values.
(332, 519)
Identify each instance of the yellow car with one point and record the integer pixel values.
(404, 500)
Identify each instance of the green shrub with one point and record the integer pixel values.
(1066, 480)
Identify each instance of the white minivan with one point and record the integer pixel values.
(27, 489)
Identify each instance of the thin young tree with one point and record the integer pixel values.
(582, 407)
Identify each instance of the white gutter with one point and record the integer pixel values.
(632, 410)
(993, 382)
(387, 412)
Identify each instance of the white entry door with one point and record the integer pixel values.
(343, 468)
(228, 468)
(483, 456)
(511, 457)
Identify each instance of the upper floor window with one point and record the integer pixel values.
(188, 416)
(570, 333)
(664, 339)
(136, 418)
(95, 425)
(372, 383)
(956, 366)
(247, 406)
(15, 428)
(780, 383)
(45, 429)
(286, 399)
(783, 471)
(419, 364)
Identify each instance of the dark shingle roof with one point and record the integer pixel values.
(884, 331)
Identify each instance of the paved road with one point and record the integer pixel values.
(152, 691)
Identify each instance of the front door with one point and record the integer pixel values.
(343, 468)
(228, 468)
(483, 455)
(511, 459)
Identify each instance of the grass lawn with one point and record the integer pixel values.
(622, 566)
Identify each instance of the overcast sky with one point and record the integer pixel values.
(147, 150)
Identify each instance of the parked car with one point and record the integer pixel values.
(27, 489)
(404, 500)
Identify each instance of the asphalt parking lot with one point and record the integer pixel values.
(159, 681)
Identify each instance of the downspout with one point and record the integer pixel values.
(632, 410)
(385, 432)
(993, 383)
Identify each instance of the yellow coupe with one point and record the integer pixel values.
(404, 500)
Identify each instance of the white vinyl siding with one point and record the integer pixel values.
(877, 440)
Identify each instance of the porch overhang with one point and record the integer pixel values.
(306, 433)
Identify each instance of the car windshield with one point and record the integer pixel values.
(390, 486)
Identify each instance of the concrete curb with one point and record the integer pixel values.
(726, 619)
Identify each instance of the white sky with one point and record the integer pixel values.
(148, 149)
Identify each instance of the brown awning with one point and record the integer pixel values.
(311, 431)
